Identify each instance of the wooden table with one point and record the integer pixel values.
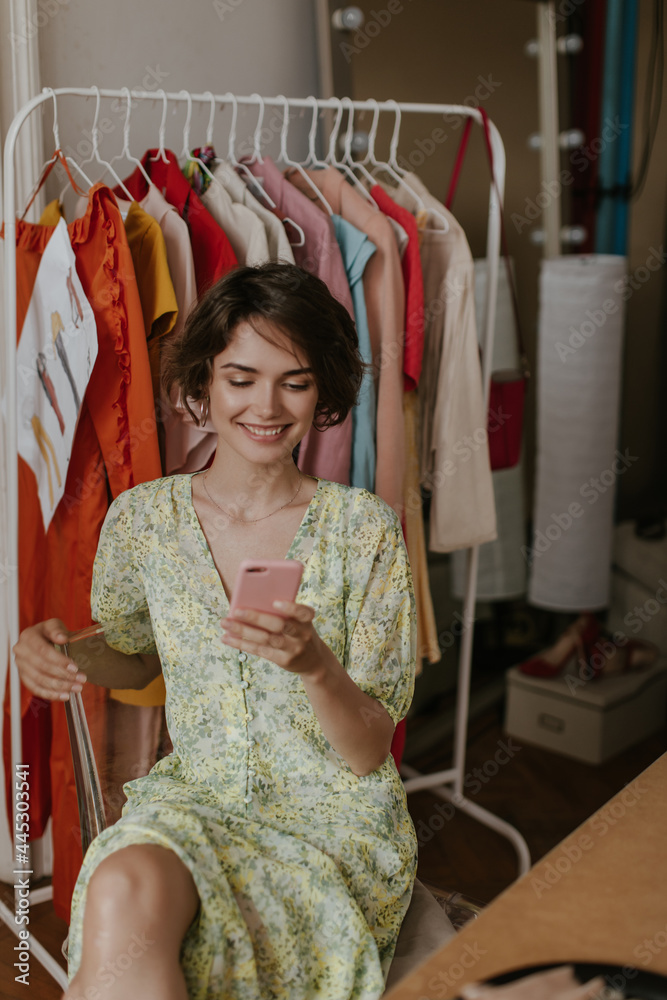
(599, 896)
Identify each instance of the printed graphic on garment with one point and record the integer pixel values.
(55, 357)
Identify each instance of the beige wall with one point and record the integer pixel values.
(451, 50)
(219, 45)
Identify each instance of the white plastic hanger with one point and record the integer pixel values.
(347, 149)
(95, 155)
(392, 168)
(256, 188)
(293, 163)
(161, 154)
(312, 160)
(125, 153)
(332, 161)
(186, 152)
(56, 139)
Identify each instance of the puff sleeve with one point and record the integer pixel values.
(117, 598)
(381, 636)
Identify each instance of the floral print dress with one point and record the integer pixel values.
(304, 870)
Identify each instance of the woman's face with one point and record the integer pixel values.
(262, 394)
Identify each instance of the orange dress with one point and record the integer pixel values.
(115, 447)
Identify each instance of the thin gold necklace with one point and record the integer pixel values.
(253, 520)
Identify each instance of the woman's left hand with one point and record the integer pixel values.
(291, 641)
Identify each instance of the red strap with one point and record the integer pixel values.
(460, 157)
(463, 146)
(57, 157)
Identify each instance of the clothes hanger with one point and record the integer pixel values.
(95, 155)
(331, 160)
(312, 160)
(58, 156)
(347, 149)
(256, 188)
(293, 163)
(125, 153)
(186, 152)
(392, 168)
(161, 154)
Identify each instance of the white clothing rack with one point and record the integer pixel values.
(449, 783)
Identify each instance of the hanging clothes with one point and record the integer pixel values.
(413, 345)
(357, 250)
(385, 305)
(501, 571)
(413, 349)
(211, 250)
(243, 228)
(115, 447)
(280, 248)
(454, 452)
(325, 454)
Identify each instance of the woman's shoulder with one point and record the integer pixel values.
(153, 494)
(359, 507)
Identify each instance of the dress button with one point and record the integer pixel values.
(250, 743)
(248, 798)
(251, 772)
(244, 684)
(249, 717)
(243, 657)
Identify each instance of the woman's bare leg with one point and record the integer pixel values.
(140, 902)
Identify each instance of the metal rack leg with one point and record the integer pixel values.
(433, 782)
(46, 960)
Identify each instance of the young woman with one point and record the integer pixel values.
(271, 855)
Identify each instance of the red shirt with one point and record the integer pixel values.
(411, 267)
(211, 250)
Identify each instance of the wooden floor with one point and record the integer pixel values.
(544, 795)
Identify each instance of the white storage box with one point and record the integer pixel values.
(588, 720)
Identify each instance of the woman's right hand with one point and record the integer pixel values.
(44, 671)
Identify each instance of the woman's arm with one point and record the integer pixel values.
(48, 673)
(356, 725)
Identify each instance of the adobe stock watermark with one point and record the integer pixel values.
(424, 148)
(473, 783)
(111, 972)
(376, 22)
(439, 984)
(596, 318)
(601, 823)
(591, 491)
(153, 79)
(581, 158)
(607, 647)
(224, 7)
(44, 11)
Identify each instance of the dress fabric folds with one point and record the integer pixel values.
(304, 870)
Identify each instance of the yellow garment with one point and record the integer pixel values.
(160, 309)
(52, 214)
(156, 290)
(415, 540)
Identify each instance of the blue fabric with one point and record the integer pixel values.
(357, 249)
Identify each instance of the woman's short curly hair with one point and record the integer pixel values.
(289, 299)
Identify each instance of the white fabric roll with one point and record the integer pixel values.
(578, 391)
(502, 566)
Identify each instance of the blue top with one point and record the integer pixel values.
(357, 249)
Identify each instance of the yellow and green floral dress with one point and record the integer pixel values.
(304, 870)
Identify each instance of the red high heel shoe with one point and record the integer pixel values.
(575, 642)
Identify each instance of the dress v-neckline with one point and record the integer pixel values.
(199, 531)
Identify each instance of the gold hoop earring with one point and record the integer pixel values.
(203, 411)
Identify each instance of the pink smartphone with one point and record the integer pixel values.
(261, 582)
